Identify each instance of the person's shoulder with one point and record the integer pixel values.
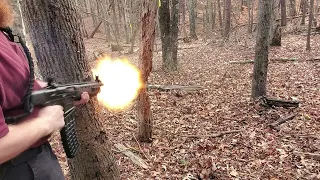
(4, 40)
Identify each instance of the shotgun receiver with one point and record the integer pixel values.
(65, 95)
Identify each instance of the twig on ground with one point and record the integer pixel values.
(268, 101)
(316, 136)
(177, 146)
(134, 158)
(275, 125)
(307, 154)
(140, 147)
(212, 135)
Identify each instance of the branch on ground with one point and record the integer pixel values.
(280, 121)
(274, 102)
(174, 87)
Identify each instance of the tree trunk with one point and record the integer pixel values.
(125, 20)
(220, 17)
(227, 19)
(18, 24)
(211, 15)
(262, 49)
(250, 22)
(79, 7)
(115, 20)
(61, 54)
(304, 11)
(293, 8)
(106, 23)
(135, 22)
(174, 31)
(214, 12)
(308, 48)
(275, 29)
(169, 34)
(283, 12)
(192, 17)
(93, 13)
(144, 114)
(183, 20)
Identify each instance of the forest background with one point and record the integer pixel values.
(206, 121)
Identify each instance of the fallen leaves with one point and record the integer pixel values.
(257, 152)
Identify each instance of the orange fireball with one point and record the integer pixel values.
(122, 83)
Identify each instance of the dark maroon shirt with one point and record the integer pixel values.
(14, 80)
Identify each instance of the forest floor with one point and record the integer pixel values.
(185, 122)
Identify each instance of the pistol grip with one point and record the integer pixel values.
(68, 136)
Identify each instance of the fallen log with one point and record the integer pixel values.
(314, 59)
(281, 121)
(273, 60)
(279, 102)
(314, 156)
(174, 87)
(242, 62)
(314, 136)
(219, 134)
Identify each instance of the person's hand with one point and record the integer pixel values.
(84, 99)
(52, 118)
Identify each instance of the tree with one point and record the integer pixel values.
(250, 15)
(148, 23)
(183, 20)
(262, 49)
(227, 24)
(54, 28)
(220, 16)
(192, 17)
(18, 26)
(293, 10)
(304, 11)
(283, 12)
(310, 24)
(275, 29)
(169, 33)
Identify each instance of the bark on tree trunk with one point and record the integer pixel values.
(93, 12)
(308, 48)
(250, 9)
(211, 15)
(144, 114)
(192, 17)
(304, 11)
(115, 20)
(18, 24)
(183, 21)
(135, 22)
(214, 12)
(220, 17)
(106, 23)
(275, 29)
(283, 12)
(227, 19)
(125, 20)
(61, 54)
(169, 34)
(79, 7)
(262, 49)
(293, 8)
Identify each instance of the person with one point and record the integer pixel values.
(25, 152)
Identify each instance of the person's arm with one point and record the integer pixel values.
(21, 136)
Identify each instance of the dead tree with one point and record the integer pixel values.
(144, 114)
